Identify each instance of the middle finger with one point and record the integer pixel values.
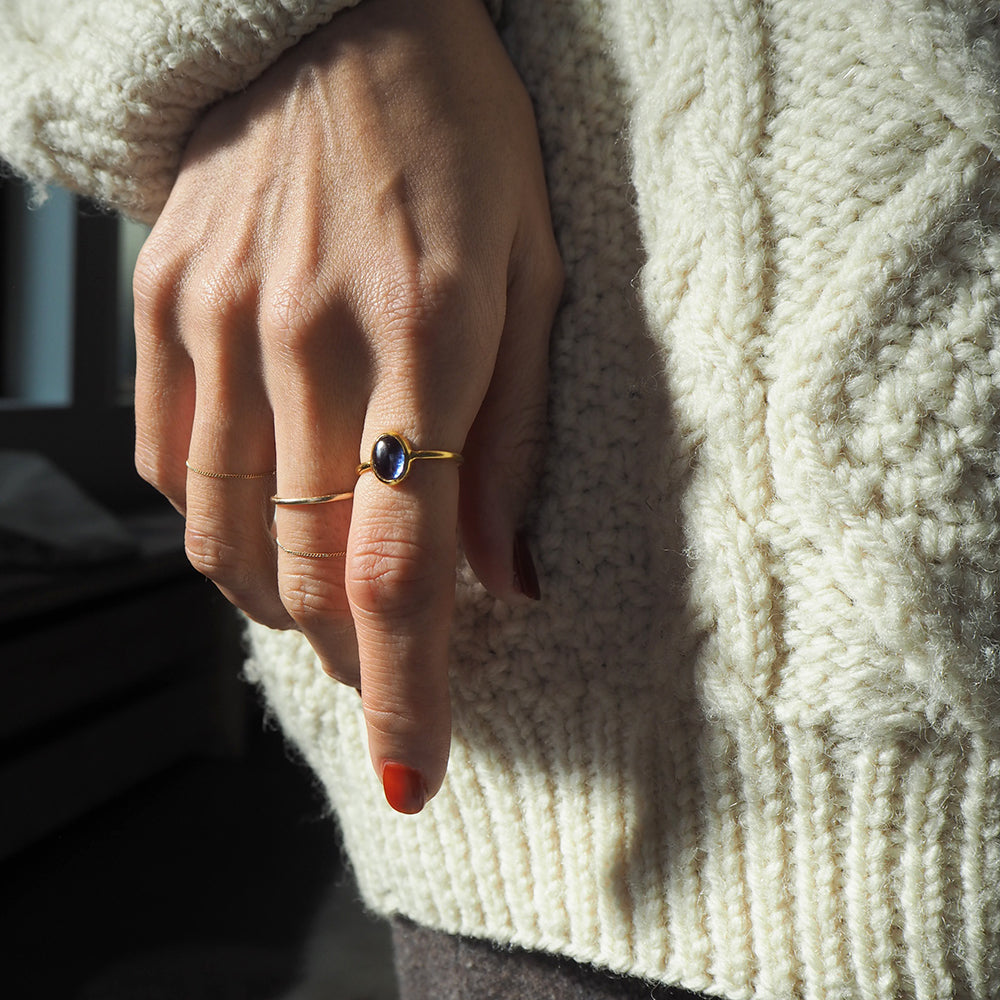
(313, 390)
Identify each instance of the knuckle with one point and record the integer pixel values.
(435, 329)
(154, 468)
(391, 577)
(153, 283)
(226, 563)
(288, 312)
(214, 556)
(311, 599)
(416, 300)
(393, 721)
(221, 291)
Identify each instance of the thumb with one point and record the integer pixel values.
(504, 448)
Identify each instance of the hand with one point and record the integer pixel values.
(358, 243)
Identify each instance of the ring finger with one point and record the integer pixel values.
(230, 480)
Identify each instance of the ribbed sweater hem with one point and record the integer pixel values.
(796, 864)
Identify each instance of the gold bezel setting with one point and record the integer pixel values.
(392, 456)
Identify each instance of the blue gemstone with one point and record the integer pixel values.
(389, 459)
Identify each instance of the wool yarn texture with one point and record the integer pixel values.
(748, 741)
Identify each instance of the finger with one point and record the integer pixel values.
(401, 585)
(164, 395)
(229, 488)
(317, 398)
(505, 445)
(312, 544)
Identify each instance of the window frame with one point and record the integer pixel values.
(92, 438)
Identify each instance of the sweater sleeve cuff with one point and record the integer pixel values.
(102, 99)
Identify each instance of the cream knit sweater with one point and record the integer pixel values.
(748, 742)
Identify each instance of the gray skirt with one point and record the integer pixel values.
(431, 965)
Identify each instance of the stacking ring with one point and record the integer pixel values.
(228, 475)
(306, 501)
(392, 455)
(308, 555)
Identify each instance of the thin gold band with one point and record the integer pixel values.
(305, 501)
(309, 555)
(413, 455)
(228, 475)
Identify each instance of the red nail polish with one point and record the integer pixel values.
(404, 787)
(525, 576)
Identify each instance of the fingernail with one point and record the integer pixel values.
(525, 576)
(404, 788)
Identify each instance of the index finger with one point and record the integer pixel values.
(401, 586)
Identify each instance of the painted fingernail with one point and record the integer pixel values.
(525, 576)
(404, 788)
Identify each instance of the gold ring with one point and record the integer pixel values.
(228, 475)
(305, 501)
(309, 555)
(392, 455)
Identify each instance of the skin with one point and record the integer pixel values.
(360, 242)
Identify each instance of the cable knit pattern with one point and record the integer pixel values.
(748, 741)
